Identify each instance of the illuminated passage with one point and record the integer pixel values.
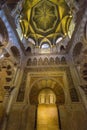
(47, 117)
(47, 114)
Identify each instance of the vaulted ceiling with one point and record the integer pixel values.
(41, 19)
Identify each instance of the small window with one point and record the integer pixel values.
(45, 46)
(58, 40)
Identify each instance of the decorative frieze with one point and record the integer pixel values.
(46, 61)
(74, 95)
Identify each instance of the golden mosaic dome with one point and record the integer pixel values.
(41, 19)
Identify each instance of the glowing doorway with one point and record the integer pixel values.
(47, 114)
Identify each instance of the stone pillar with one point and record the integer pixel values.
(8, 107)
(31, 117)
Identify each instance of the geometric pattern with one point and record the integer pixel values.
(44, 16)
(42, 19)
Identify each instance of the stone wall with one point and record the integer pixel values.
(73, 117)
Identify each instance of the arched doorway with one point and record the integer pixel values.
(47, 114)
(46, 95)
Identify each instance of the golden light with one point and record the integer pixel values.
(70, 16)
(24, 35)
(20, 20)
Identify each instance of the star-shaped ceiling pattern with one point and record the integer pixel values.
(41, 19)
(44, 17)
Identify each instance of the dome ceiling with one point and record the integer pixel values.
(44, 17)
(41, 19)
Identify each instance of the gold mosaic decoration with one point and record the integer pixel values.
(41, 19)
